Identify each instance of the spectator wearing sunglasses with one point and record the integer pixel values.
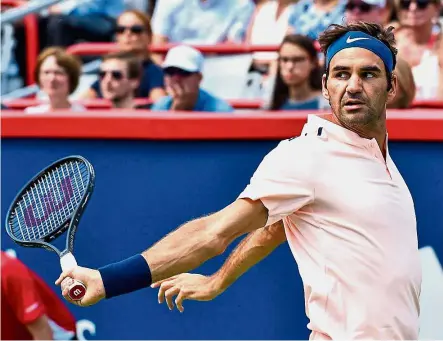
(367, 10)
(417, 42)
(119, 75)
(57, 74)
(133, 34)
(183, 74)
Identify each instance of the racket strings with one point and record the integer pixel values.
(50, 201)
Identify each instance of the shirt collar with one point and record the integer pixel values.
(330, 129)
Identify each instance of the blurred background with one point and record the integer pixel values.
(175, 103)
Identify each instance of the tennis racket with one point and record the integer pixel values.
(49, 205)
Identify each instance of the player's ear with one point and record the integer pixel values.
(393, 88)
(324, 87)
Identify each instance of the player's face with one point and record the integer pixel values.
(54, 80)
(357, 87)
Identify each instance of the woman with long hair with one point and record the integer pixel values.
(298, 79)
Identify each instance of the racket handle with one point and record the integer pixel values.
(76, 289)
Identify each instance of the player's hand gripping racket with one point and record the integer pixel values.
(50, 204)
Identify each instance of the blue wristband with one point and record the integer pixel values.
(126, 276)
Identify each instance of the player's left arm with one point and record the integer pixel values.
(256, 246)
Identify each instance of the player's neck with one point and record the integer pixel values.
(377, 131)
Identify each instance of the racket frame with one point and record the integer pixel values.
(71, 222)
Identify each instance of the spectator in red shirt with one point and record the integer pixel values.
(30, 308)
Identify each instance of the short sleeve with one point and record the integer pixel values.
(162, 17)
(284, 180)
(22, 294)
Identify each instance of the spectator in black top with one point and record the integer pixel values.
(133, 34)
(120, 75)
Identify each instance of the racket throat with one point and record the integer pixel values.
(67, 261)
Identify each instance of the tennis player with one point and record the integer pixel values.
(348, 215)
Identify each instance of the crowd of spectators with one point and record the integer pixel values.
(290, 76)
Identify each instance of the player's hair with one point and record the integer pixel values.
(70, 63)
(385, 35)
(133, 63)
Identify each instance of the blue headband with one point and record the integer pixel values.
(364, 41)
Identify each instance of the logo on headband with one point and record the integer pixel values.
(351, 40)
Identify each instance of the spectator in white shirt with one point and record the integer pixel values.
(269, 25)
(57, 74)
(201, 21)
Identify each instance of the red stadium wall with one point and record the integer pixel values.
(405, 125)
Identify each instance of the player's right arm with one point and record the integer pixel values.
(180, 251)
(251, 250)
(282, 184)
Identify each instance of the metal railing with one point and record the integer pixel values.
(25, 8)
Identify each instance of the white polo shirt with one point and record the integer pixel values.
(350, 223)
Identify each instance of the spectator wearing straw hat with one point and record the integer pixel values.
(183, 67)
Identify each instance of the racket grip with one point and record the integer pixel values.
(76, 289)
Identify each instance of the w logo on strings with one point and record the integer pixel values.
(50, 203)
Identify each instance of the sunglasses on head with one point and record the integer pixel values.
(362, 6)
(135, 29)
(115, 74)
(421, 4)
(175, 71)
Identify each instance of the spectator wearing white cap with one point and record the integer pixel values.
(182, 68)
(366, 10)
